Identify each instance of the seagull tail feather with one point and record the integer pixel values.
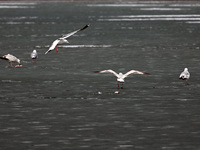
(4, 58)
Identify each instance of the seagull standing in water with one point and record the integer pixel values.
(121, 77)
(63, 40)
(34, 55)
(185, 75)
(10, 58)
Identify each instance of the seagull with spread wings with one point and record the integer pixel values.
(121, 77)
(63, 39)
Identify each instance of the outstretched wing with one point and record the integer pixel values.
(108, 71)
(53, 45)
(74, 32)
(135, 72)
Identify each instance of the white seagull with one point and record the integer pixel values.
(121, 76)
(34, 55)
(63, 40)
(10, 58)
(185, 75)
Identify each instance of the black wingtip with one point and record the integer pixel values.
(85, 27)
(147, 73)
(96, 71)
(4, 58)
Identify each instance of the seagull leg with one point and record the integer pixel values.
(10, 63)
(122, 86)
(33, 61)
(57, 49)
(118, 84)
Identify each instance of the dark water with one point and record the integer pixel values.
(59, 103)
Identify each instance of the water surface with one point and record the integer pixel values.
(59, 103)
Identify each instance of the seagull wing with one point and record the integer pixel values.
(109, 71)
(34, 55)
(74, 32)
(9, 57)
(64, 37)
(134, 72)
(4, 58)
(184, 75)
(53, 45)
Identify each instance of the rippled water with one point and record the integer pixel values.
(59, 103)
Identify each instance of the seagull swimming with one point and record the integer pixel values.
(121, 77)
(185, 75)
(10, 58)
(63, 40)
(34, 55)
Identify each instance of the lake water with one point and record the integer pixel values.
(58, 102)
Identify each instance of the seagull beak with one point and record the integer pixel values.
(18, 66)
(68, 43)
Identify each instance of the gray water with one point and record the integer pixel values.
(59, 103)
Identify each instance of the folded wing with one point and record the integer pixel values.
(184, 75)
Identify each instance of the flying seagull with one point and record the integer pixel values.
(63, 40)
(185, 75)
(121, 77)
(10, 58)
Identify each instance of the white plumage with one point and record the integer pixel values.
(10, 58)
(185, 75)
(34, 54)
(62, 40)
(121, 77)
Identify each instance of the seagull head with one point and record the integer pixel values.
(18, 61)
(120, 75)
(65, 41)
(68, 42)
(19, 64)
(34, 51)
(186, 69)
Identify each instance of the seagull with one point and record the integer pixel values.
(10, 58)
(34, 55)
(63, 40)
(185, 75)
(121, 76)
